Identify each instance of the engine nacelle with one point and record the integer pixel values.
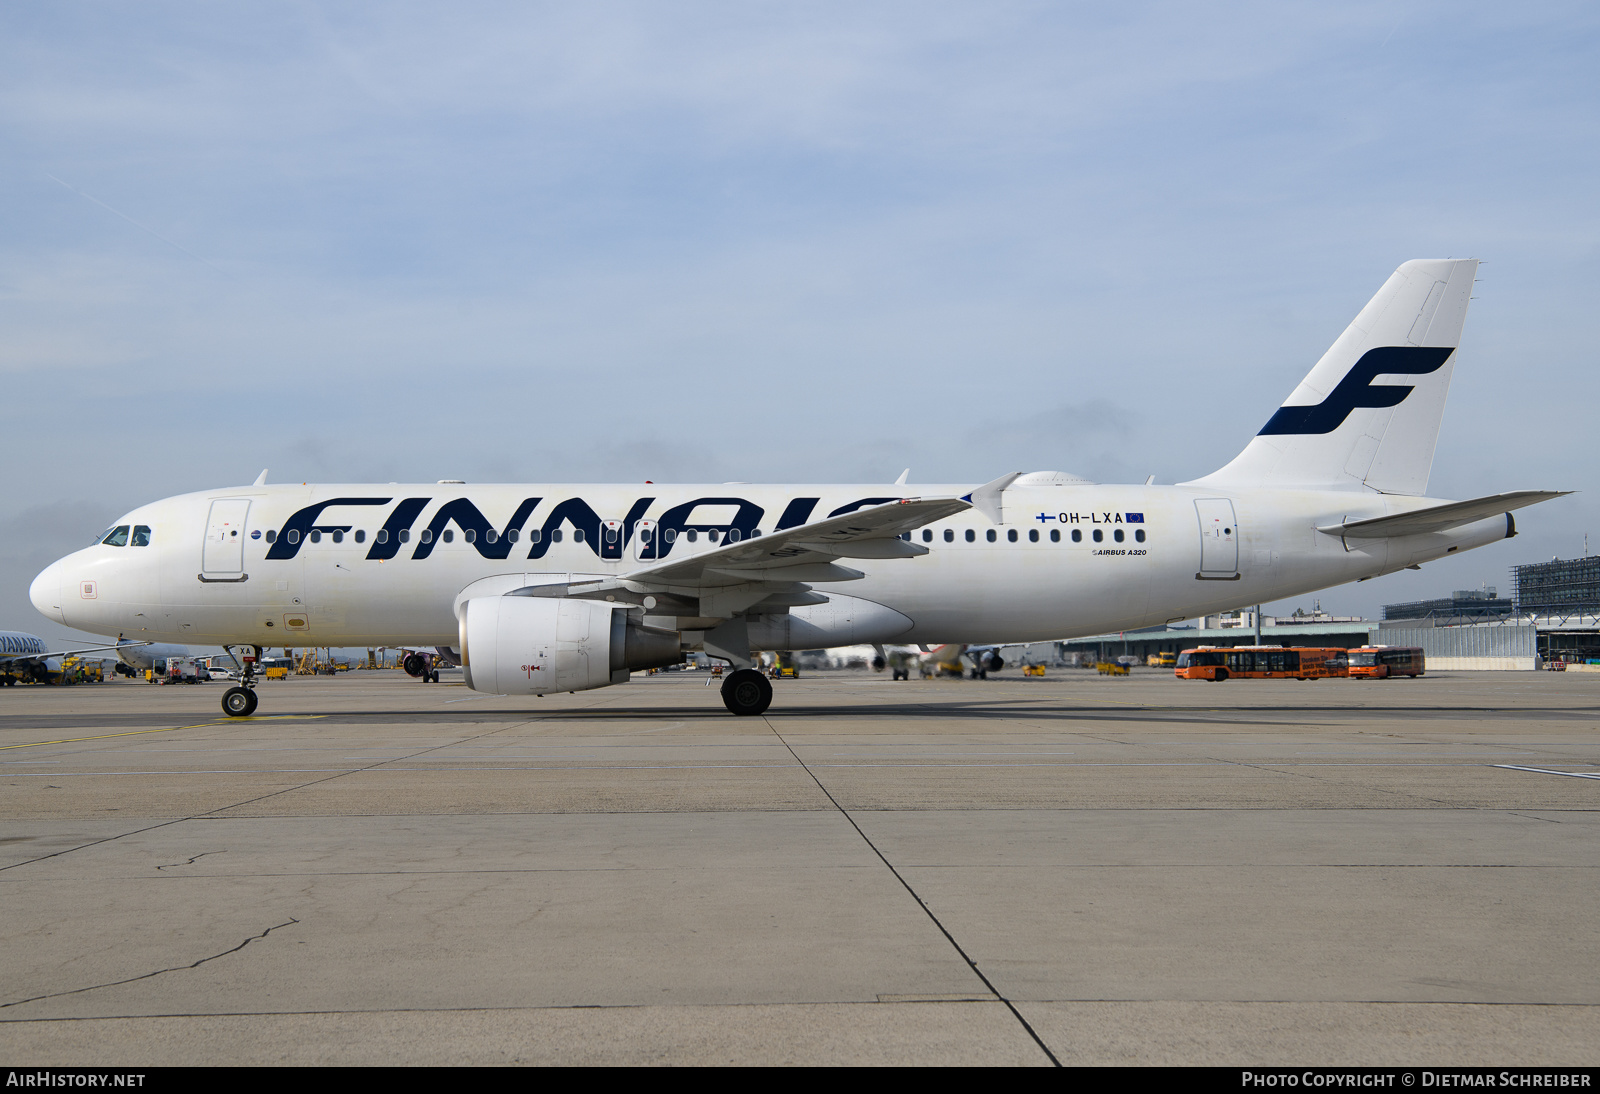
(527, 645)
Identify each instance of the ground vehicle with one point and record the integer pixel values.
(1165, 660)
(1378, 662)
(1262, 662)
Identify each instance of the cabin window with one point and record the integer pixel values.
(381, 537)
(117, 537)
(1011, 535)
(1077, 535)
(316, 536)
(670, 534)
(449, 536)
(990, 536)
(577, 535)
(733, 535)
(338, 536)
(1138, 535)
(361, 535)
(426, 536)
(927, 535)
(1033, 535)
(971, 535)
(693, 535)
(1099, 535)
(511, 536)
(611, 534)
(272, 536)
(1055, 535)
(405, 535)
(949, 535)
(1117, 535)
(293, 535)
(556, 536)
(712, 535)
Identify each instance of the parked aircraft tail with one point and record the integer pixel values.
(1367, 416)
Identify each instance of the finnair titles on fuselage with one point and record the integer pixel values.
(538, 589)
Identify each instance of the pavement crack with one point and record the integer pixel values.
(157, 972)
(192, 861)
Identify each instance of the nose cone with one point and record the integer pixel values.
(45, 592)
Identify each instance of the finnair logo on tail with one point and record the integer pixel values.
(1356, 389)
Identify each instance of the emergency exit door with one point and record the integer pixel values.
(1219, 540)
(222, 558)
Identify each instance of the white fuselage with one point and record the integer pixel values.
(219, 567)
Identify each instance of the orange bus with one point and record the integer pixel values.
(1262, 662)
(1379, 662)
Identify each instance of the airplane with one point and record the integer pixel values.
(137, 657)
(548, 589)
(25, 656)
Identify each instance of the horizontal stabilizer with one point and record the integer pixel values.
(1440, 518)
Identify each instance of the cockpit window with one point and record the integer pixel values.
(141, 536)
(117, 537)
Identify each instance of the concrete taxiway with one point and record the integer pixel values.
(1010, 871)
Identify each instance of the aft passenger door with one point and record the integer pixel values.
(222, 558)
(1219, 540)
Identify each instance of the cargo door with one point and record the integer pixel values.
(222, 558)
(1219, 540)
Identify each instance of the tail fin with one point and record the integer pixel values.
(1342, 429)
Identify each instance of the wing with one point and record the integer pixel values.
(769, 572)
(1440, 518)
(63, 653)
(806, 553)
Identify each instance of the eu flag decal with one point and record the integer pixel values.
(1133, 518)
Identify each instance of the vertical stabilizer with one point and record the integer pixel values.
(1367, 416)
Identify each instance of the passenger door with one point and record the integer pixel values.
(222, 558)
(1219, 540)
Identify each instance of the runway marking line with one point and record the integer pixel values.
(164, 729)
(1547, 771)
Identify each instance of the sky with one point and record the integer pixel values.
(702, 242)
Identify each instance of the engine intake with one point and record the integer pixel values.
(517, 645)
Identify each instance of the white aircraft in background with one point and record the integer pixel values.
(26, 657)
(142, 656)
(539, 589)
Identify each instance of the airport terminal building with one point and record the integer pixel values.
(1552, 617)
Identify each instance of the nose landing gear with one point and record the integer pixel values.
(240, 702)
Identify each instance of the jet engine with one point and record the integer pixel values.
(524, 645)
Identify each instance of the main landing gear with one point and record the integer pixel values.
(746, 691)
(240, 702)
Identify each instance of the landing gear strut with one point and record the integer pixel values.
(240, 702)
(746, 691)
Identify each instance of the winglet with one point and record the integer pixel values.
(986, 498)
(901, 481)
(261, 479)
